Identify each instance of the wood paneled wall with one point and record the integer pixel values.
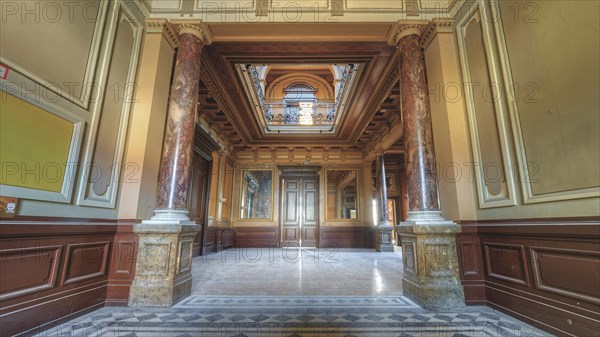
(329, 237)
(545, 272)
(249, 237)
(344, 237)
(54, 270)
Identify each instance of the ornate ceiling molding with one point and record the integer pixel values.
(217, 93)
(393, 76)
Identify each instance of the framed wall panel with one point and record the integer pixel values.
(550, 123)
(102, 166)
(53, 175)
(49, 61)
(486, 108)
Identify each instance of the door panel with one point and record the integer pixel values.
(300, 212)
(291, 223)
(292, 209)
(309, 210)
(291, 234)
(198, 193)
(310, 219)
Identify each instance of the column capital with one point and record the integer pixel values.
(405, 29)
(164, 27)
(437, 25)
(194, 27)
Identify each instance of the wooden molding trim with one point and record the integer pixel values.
(76, 266)
(537, 270)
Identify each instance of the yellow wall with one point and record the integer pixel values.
(34, 142)
(554, 58)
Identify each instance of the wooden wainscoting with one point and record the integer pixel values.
(545, 272)
(218, 238)
(344, 237)
(248, 237)
(340, 237)
(122, 264)
(53, 270)
(470, 264)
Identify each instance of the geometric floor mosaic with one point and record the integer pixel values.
(347, 316)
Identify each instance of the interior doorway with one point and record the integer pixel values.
(199, 188)
(299, 215)
(198, 194)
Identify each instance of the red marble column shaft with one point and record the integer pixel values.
(179, 134)
(381, 187)
(419, 155)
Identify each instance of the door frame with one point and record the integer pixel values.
(204, 146)
(299, 172)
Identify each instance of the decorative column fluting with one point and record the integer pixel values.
(163, 270)
(383, 237)
(431, 275)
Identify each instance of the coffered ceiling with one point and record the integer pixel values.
(372, 100)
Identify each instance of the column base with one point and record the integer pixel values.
(383, 239)
(164, 263)
(159, 294)
(431, 274)
(431, 296)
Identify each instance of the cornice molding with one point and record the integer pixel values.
(164, 27)
(217, 93)
(376, 142)
(433, 28)
(393, 76)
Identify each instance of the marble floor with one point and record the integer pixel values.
(291, 293)
(293, 272)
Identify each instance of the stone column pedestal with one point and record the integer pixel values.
(383, 238)
(164, 262)
(431, 275)
(163, 271)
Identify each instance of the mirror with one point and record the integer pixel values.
(257, 188)
(342, 194)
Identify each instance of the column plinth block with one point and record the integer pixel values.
(383, 238)
(164, 263)
(431, 274)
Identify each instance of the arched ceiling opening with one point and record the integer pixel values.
(275, 90)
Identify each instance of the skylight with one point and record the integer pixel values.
(298, 98)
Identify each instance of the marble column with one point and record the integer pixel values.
(431, 275)
(163, 270)
(383, 237)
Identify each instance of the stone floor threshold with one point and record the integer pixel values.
(292, 316)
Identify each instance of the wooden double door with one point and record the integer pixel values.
(300, 210)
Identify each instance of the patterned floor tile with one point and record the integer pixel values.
(294, 316)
